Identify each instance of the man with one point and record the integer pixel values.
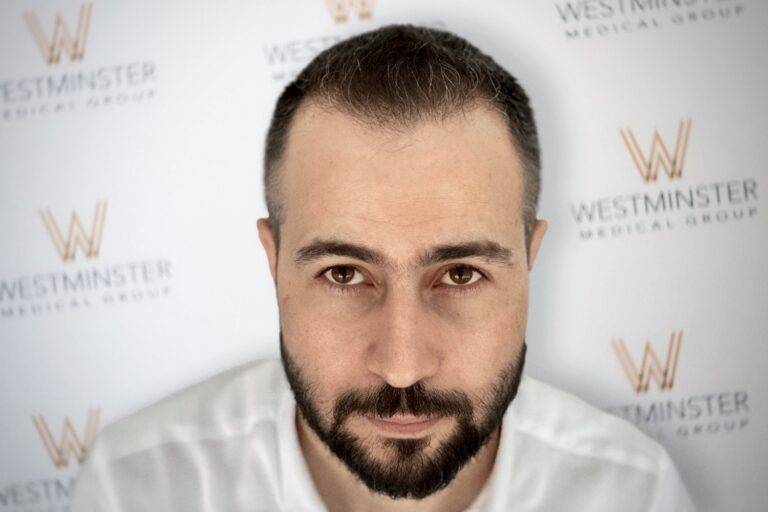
(401, 180)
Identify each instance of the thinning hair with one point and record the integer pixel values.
(396, 76)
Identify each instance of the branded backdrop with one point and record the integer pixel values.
(131, 183)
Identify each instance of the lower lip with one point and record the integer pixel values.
(402, 428)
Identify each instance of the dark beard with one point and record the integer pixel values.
(411, 474)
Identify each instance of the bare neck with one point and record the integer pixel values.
(341, 491)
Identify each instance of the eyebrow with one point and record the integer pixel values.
(488, 249)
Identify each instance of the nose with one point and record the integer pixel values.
(403, 350)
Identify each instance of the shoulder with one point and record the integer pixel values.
(586, 456)
(230, 403)
(192, 447)
(566, 422)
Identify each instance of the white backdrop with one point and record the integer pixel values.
(150, 125)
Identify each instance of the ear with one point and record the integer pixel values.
(538, 233)
(268, 242)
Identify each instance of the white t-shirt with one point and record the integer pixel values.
(229, 444)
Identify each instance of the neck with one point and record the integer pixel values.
(341, 491)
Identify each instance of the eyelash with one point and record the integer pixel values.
(458, 290)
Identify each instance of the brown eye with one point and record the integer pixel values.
(461, 275)
(341, 274)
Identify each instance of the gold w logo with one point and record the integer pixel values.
(62, 38)
(659, 155)
(650, 367)
(69, 443)
(76, 235)
(340, 9)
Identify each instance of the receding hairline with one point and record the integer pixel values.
(333, 101)
(515, 165)
(331, 104)
(392, 78)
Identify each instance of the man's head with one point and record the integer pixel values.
(402, 177)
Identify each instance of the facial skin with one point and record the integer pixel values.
(419, 331)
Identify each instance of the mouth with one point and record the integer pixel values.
(403, 425)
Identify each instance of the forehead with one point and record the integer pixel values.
(433, 182)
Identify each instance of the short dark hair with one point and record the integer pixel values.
(397, 75)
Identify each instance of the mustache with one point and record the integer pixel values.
(386, 401)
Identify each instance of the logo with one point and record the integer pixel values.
(69, 444)
(69, 286)
(340, 9)
(682, 413)
(680, 204)
(659, 155)
(61, 84)
(650, 366)
(61, 38)
(77, 235)
(590, 19)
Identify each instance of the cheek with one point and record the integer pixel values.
(323, 332)
(329, 328)
(324, 345)
(484, 341)
(491, 321)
